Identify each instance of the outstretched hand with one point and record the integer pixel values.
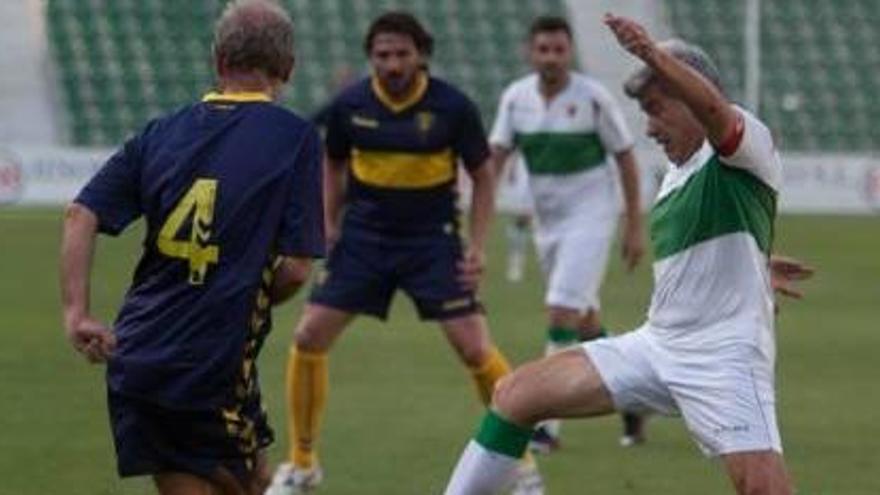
(91, 338)
(785, 272)
(631, 36)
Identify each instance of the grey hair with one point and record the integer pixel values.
(691, 55)
(255, 35)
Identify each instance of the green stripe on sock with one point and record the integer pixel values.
(503, 437)
(562, 335)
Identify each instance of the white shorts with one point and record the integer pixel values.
(726, 398)
(573, 261)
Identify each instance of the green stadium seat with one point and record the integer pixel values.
(823, 52)
(121, 62)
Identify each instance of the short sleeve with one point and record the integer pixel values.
(754, 150)
(113, 194)
(502, 129)
(610, 123)
(302, 227)
(470, 137)
(338, 132)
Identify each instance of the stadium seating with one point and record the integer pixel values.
(120, 62)
(820, 64)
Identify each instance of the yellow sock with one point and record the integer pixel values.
(488, 373)
(307, 384)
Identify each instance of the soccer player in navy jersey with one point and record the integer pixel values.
(393, 144)
(230, 189)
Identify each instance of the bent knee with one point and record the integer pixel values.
(310, 337)
(515, 399)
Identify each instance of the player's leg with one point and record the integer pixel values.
(351, 283)
(469, 336)
(517, 246)
(727, 400)
(758, 473)
(590, 327)
(565, 384)
(307, 382)
(574, 264)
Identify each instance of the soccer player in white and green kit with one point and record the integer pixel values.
(574, 141)
(707, 349)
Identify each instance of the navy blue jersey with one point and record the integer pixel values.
(403, 156)
(225, 186)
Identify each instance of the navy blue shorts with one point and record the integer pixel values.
(151, 439)
(362, 274)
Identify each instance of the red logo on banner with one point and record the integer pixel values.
(11, 181)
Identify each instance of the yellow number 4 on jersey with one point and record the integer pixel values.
(197, 203)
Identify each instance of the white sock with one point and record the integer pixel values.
(481, 472)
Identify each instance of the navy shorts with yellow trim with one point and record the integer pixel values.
(152, 439)
(363, 272)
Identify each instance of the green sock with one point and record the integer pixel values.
(503, 437)
(561, 336)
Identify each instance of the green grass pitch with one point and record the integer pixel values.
(401, 407)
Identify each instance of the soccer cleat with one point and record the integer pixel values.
(543, 441)
(528, 480)
(289, 480)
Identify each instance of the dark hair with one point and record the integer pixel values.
(549, 23)
(404, 23)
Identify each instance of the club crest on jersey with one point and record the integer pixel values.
(571, 110)
(424, 122)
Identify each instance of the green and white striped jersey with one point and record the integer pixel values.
(712, 232)
(565, 144)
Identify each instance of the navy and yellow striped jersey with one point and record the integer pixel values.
(403, 155)
(225, 186)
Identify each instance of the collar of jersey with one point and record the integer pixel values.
(242, 97)
(397, 106)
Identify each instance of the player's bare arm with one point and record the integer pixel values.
(334, 196)
(633, 238)
(499, 159)
(291, 273)
(88, 336)
(706, 101)
(482, 208)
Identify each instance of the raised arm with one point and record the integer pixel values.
(706, 102)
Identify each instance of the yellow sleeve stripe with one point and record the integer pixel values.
(403, 170)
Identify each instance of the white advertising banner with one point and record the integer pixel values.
(830, 183)
(814, 183)
(45, 175)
